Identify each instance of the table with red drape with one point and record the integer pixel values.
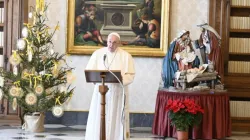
(216, 122)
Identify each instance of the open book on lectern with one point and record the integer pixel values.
(94, 76)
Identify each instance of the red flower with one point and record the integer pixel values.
(199, 109)
(170, 102)
(180, 113)
(177, 105)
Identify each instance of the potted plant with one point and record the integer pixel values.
(40, 78)
(184, 114)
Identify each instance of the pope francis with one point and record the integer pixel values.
(115, 59)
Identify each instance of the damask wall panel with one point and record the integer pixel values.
(186, 14)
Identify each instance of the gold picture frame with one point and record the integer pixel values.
(135, 50)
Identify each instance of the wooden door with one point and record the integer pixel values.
(15, 12)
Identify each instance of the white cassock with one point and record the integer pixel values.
(118, 60)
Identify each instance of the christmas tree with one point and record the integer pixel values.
(40, 78)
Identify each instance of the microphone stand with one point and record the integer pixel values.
(123, 92)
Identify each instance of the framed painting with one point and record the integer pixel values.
(142, 24)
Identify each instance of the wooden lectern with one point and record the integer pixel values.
(102, 76)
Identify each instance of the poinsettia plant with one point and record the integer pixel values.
(184, 114)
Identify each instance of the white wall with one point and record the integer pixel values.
(185, 14)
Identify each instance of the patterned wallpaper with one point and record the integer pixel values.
(185, 14)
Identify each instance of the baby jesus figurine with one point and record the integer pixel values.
(187, 56)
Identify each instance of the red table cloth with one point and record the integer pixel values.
(216, 122)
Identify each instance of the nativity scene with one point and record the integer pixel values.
(194, 65)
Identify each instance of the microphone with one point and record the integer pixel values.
(104, 57)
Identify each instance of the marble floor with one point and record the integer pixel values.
(77, 132)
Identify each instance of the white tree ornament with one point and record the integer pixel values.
(21, 44)
(25, 32)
